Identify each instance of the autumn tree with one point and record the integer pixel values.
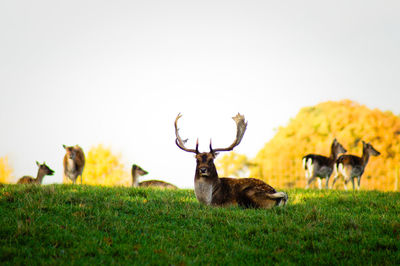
(312, 131)
(232, 164)
(103, 167)
(5, 170)
(279, 162)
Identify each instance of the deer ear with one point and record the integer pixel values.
(37, 163)
(64, 146)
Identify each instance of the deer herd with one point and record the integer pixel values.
(210, 189)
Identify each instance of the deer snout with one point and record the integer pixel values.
(203, 170)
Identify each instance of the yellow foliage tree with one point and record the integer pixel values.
(279, 162)
(102, 167)
(232, 164)
(5, 170)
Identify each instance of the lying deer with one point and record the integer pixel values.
(42, 172)
(74, 162)
(213, 190)
(319, 167)
(138, 171)
(351, 166)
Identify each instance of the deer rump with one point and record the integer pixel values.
(321, 166)
(353, 163)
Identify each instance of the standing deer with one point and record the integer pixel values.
(138, 171)
(42, 172)
(74, 162)
(351, 166)
(213, 190)
(319, 167)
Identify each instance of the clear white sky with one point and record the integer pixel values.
(118, 73)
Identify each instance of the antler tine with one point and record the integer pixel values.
(181, 143)
(241, 126)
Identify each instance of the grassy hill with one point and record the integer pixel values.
(68, 224)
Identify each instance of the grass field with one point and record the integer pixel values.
(82, 225)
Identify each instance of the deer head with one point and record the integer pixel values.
(205, 160)
(44, 169)
(71, 151)
(368, 149)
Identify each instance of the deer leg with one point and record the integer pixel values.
(334, 180)
(352, 181)
(310, 181)
(319, 183)
(345, 184)
(306, 174)
(327, 183)
(358, 182)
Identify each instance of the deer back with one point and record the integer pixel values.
(245, 192)
(157, 183)
(26, 180)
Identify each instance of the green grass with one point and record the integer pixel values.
(86, 225)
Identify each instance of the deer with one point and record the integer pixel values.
(350, 166)
(138, 171)
(212, 190)
(318, 167)
(42, 172)
(74, 162)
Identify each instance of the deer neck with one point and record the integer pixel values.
(135, 179)
(333, 154)
(365, 157)
(204, 186)
(71, 165)
(39, 177)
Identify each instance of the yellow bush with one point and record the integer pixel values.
(102, 167)
(5, 170)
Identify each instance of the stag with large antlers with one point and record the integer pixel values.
(213, 190)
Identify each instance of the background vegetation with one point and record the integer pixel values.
(313, 129)
(87, 225)
(233, 164)
(5, 170)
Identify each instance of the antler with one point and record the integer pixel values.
(181, 143)
(241, 125)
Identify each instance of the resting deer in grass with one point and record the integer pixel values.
(213, 190)
(42, 172)
(74, 162)
(351, 166)
(138, 171)
(319, 167)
